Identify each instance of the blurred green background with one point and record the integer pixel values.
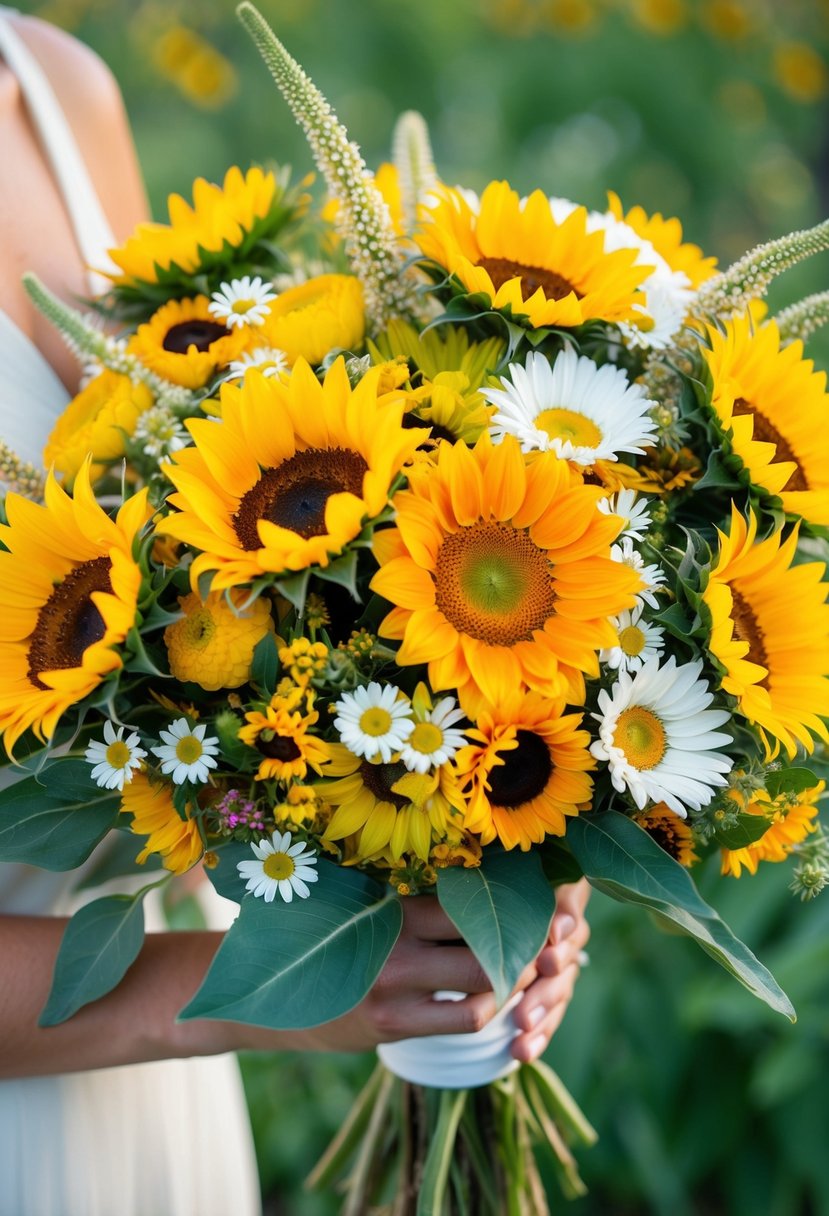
(716, 111)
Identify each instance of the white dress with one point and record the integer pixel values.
(164, 1139)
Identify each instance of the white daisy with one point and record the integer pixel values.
(434, 741)
(160, 432)
(187, 754)
(574, 408)
(632, 508)
(267, 359)
(638, 641)
(281, 868)
(374, 721)
(242, 301)
(651, 575)
(116, 759)
(659, 738)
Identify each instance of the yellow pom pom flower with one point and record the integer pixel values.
(306, 322)
(96, 422)
(213, 644)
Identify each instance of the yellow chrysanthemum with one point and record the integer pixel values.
(666, 237)
(774, 404)
(770, 632)
(185, 344)
(68, 593)
(96, 423)
(177, 840)
(791, 819)
(670, 832)
(306, 322)
(304, 660)
(516, 254)
(501, 573)
(220, 216)
(282, 737)
(289, 475)
(213, 644)
(527, 770)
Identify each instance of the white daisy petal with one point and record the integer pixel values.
(374, 721)
(240, 302)
(279, 868)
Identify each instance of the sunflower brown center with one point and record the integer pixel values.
(747, 629)
(201, 334)
(667, 836)
(379, 778)
(766, 432)
(554, 285)
(69, 623)
(494, 584)
(524, 774)
(277, 747)
(295, 493)
(412, 420)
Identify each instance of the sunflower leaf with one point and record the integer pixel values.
(502, 910)
(264, 670)
(789, 781)
(55, 820)
(620, 859)
(744, 831)
(288, 966)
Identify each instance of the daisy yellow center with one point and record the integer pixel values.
(494, 584)
(375, 721)
(279, 866)
(524, 774)
(294, 494)
(631, 640)
(69, 622)
(117, 754)
(569, 424)
(200, 629)
(189, 749)
(553, 284)
(641, 736)
(426, 738)
(766, 432)
(201, 334)
(240, 307)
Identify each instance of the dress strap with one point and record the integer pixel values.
(93, 234)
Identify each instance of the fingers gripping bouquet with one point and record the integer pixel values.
(430, 543)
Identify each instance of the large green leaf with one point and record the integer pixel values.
(621, 859)
(100, 943)
(288, 966)
(224, 876)
(55, 820)
(502, 910)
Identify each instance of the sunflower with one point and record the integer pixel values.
(306, 322)
(177, 840)
(222, 220)
(212, 645)
(791, 819)
(68, 593)
(769, 624)
(670, 832)
(516, 254)
(501, 573)
(289, 475)
(282, 737)
(773, 406)
(526, 771)
(96, 422)
(184, 343)
(666, 237)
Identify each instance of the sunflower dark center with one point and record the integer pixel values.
(553, 284)
(278, 747)
(524, 773)
(766, 432)
(378, 780)
(747, 629)
(666, 838)
(201, 334)
(69, 623)
(412, 421)
(294, 495)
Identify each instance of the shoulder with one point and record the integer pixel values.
(72, 67)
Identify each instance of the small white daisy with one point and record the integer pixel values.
(638, 642)
(281, 868)
(116, 759)
(187, 754)
(574, 408)
(651, 575)
(242, 301)
(434, 740)
(161, 432)
(659, 738)
(267, 359)
(374, 721)
(632, 508)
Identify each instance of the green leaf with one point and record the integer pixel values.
(502, 910)
(790, 781)
(225, 877)
(294, 587)
(117, 860)
(744, 831)
(55, 820)
(288, 966)
(99, 945)
(264, 670)
(621, 859)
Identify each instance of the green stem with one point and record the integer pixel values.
(441, 1150)
(357, 1202)
(347, 1138)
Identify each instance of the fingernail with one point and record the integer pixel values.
(538, 1045)
(563, 927)
(535, 1016)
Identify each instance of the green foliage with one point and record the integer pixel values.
(55, 820)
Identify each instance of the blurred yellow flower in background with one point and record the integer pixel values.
(194, 66)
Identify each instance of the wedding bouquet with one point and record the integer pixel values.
(423, 542)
